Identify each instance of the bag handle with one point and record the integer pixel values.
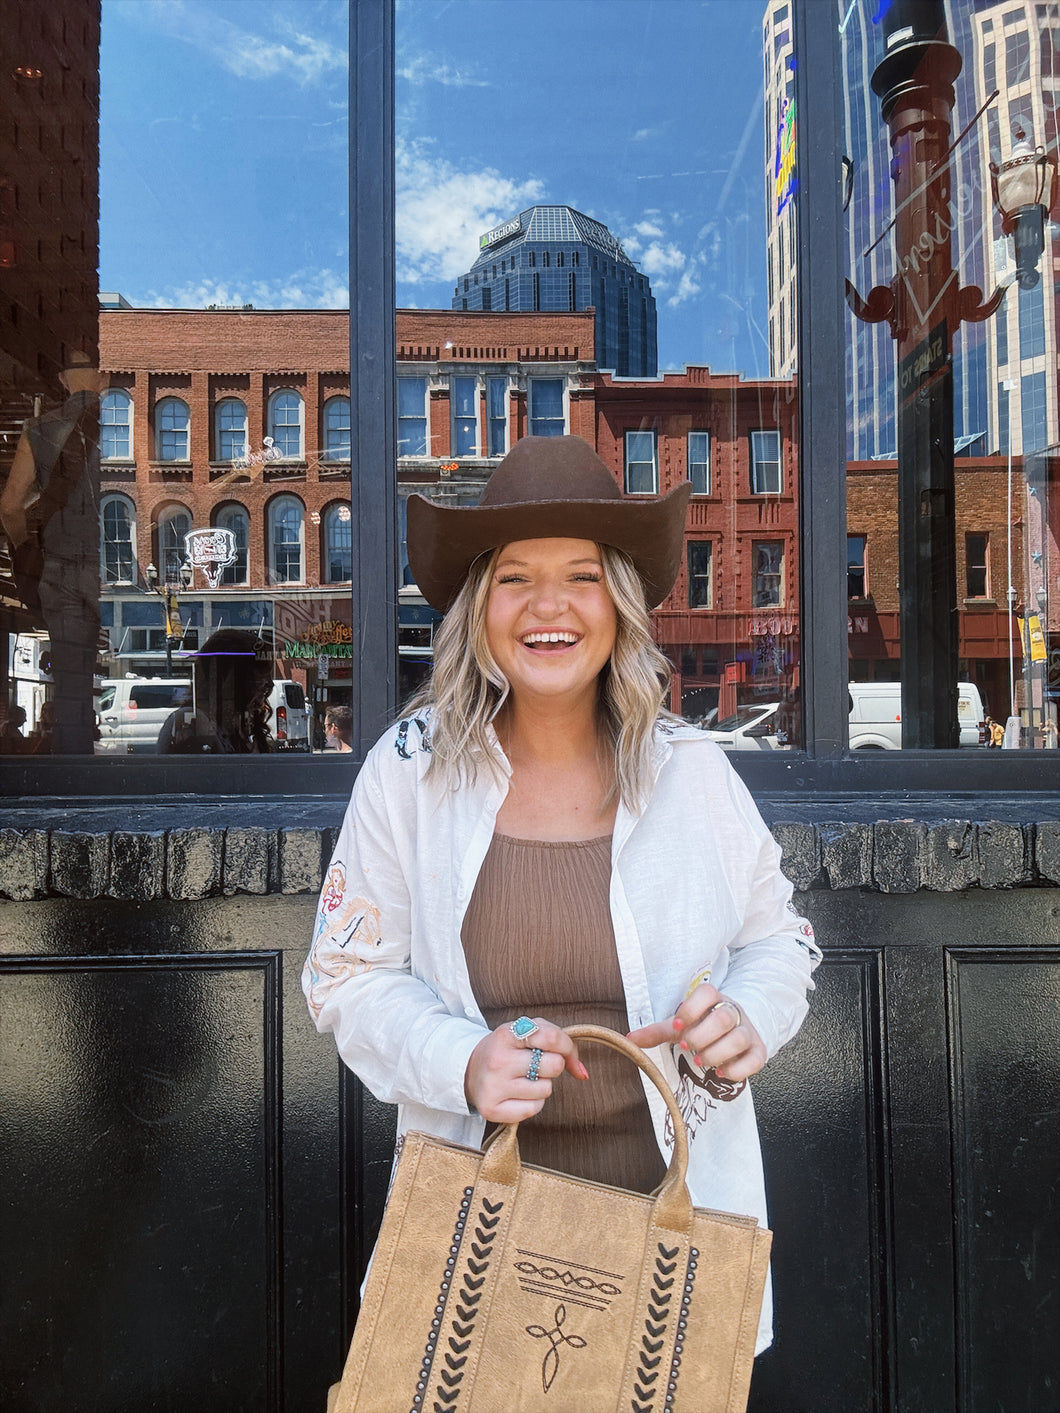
(502, 1164)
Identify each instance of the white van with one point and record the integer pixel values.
(876, 715)
(288, 716)
(132, 711)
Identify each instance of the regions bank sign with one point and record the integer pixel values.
(784, 166)
(509, 228)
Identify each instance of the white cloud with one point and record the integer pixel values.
(422, 70)
(662, 260)
(302, 289)
(649, 229)
(688, 286)
(441, 212)
(247, 53)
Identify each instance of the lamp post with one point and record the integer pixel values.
(1022, 189)
(924, 306)
(174, 628)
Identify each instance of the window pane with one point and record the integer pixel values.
(465, 416)
(337, 429)
(953, 394)
(412, 416)
(662, 301)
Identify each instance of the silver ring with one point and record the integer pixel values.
(732, 1006)
(535, 1060)
(523, 1027)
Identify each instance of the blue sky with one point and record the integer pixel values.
(224, 150)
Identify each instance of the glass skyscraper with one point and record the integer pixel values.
(553, 258)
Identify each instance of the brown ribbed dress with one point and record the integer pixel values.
(538, 940)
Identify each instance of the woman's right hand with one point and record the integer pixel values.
(496, 1081)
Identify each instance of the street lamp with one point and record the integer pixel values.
(174, 627)
(1023, 193)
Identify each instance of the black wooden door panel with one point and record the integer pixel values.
(1005, 1023)
(820, 1104)
(169, 1162)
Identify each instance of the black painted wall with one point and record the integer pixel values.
(189, 1185)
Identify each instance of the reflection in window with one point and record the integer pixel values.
(699, 575)
(286, 527)
(1031, 322)
(1034, 410)
(699, 462)
(236, 519)
(173, 524)
(337, 429)
(641, 470)
(855, 566)
(496, 398)
(546, 407)
(115, 425)
(285, 424)
(119, 540)
(172, 420)
(412, 416)
(338, 545)
(769, 575)
(977, 566)
(765, 463)
(465, 420)
(231, 430)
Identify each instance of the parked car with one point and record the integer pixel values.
(876, 715)
(752, 727)
(132, 710)
(288, 716)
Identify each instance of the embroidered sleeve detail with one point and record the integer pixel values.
(347, 935)
(421, 740)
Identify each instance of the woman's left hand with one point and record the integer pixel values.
(713, 1031)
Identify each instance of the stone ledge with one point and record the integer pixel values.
(888, 856)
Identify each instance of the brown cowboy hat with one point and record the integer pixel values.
(546, 488)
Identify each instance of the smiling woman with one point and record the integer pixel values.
(513, 836)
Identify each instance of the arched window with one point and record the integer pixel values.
(337, 429)
(118, 540)
(230, 430)
(338, 545)
(173, 524)
(172, 420)
(285, 424)
(286, 539)
(115, 425)
(236, 519)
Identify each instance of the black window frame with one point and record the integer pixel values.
(823, 768)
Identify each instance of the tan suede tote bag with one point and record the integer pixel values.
(502, 1288)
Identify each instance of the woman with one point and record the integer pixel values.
(537, 843)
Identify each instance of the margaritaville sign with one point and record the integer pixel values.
(330, 639)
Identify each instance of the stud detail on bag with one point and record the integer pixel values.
(455, 1356)
(439, 1308)
(653, 1340)
(682, 1326)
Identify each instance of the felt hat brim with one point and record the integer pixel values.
(547, 488)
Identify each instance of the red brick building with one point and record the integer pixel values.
(240, 419)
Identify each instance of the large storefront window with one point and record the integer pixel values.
(170, 446)
(950, 130)
(634, 286)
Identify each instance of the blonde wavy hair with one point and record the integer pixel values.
(466, 689)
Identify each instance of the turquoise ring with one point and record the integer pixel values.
(523, 1028)
(535, 1060)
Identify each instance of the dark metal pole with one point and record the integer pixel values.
(372, 369)
(915, 85)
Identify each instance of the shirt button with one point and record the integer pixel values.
(469, 1011)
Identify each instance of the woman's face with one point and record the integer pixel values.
(550, 620)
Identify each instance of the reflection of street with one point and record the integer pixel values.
(49, 509)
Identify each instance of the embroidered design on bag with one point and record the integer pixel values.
(443, 1297)
(455, 1356)
(556, 1338)
(576, 1283)
(655, 1325)
(682, 1327)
